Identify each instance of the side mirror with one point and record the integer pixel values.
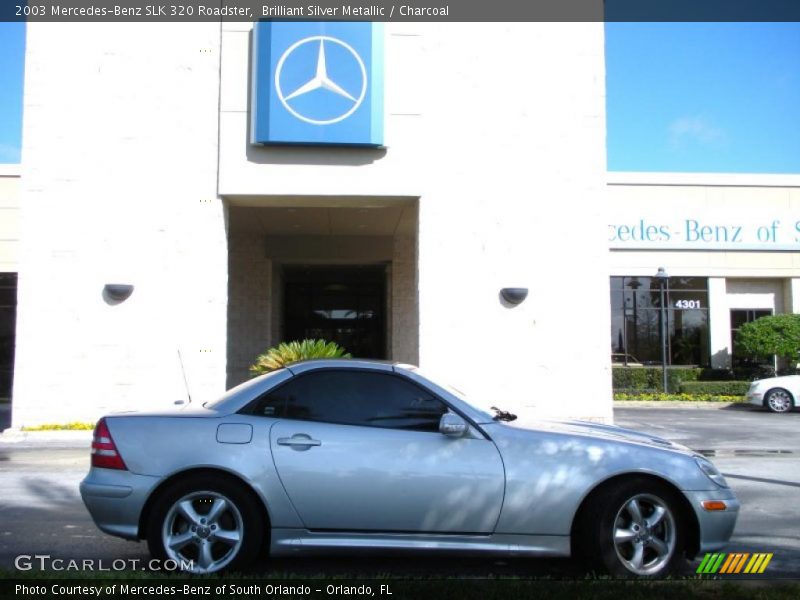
(452, 425)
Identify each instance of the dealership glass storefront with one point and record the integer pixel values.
(636, 319)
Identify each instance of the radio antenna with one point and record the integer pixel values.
(185, 380)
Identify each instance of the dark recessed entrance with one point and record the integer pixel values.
(346, 305)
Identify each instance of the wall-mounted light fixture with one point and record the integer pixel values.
(114, 293)
(515, 295)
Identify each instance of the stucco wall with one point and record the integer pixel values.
(119, 186)
(9, 218)
(497, 129)
(503, 142)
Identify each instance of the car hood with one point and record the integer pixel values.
(604, 432)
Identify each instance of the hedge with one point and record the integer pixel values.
(716, 388)
(650, 378)
(661, 397)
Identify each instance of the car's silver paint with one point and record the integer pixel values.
(234, 433)
(165, 446)
(350, 363)
(115, 499)
(431, 481)
(548, 469)
(298, 541)
(716, 526)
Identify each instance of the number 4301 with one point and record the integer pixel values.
(687, 304)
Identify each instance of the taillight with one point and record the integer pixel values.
(104, 450)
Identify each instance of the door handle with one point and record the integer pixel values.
(299, 440)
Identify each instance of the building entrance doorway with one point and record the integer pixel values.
(342, 304)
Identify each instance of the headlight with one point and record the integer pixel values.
(707, 467)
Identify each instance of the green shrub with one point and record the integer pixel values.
(661, 397)
(74, 426)
(777, 334)
(720, 388)
(289, 352)
(650, 378)
(709, 374)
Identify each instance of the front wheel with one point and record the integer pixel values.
(636, 530)
(778, 400)
(205, 524)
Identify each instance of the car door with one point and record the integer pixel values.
(361, 451)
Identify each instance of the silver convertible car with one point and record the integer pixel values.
(334, 456)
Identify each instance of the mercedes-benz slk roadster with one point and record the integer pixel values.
(336, 456)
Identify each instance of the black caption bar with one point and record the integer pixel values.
(411, 10)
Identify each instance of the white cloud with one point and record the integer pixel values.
(694, 130)
(9, 153)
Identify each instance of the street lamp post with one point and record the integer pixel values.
(663, 279)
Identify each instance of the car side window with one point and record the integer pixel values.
(353, 398)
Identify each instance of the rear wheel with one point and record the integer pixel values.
(634, 530)
(206, 524)
(778, 400)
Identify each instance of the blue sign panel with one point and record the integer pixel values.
(317, 83)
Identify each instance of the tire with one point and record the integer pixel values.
(207, 524)
(634, 529)
(778, 400)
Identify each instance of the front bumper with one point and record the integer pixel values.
(115, 499)
(755, 397)
(716, 527)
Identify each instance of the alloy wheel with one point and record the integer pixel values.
(779, 401)
(204, 529)
(644, 534)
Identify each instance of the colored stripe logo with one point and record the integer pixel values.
(734, 563)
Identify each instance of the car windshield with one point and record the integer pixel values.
(480, 404)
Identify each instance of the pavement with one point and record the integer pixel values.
(758, 453)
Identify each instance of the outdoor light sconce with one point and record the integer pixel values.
(117, 292)
(514, 295)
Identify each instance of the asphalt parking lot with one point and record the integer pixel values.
(758, 452)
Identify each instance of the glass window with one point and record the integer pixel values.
(8, 319)
(353, 398)
(636, 319)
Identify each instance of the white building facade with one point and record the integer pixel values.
(138, 170)
(730, 246)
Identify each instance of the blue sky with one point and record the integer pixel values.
(702, 97)
(12, 45)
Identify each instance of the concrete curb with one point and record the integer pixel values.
(17, 437)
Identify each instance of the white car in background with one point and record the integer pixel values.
(777, 394)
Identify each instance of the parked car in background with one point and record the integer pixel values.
(330, 456)
(624, 360)
(777, 394)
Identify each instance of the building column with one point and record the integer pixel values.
(792, 304)
(719, 316)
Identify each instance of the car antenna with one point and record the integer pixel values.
(185, 381)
